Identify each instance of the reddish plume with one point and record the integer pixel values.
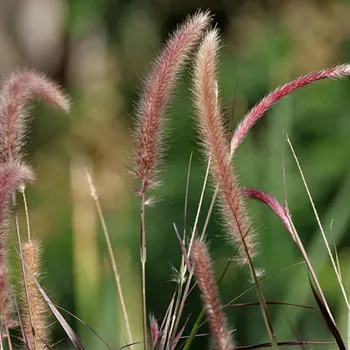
(268, 101)
(272, 203)
(154, 331)
(156, 96)
(17, 91)
(210, 296)
(11, 177)
(216, 148)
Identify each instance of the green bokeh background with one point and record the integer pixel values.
(99, 51)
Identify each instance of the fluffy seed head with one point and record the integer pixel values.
(35, 322)
(216, 147)
(11, 177)
(268, 101)
(154, 330)
(210, 296)
(19, 89)
(156, 96)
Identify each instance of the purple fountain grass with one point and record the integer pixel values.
(216, 148)
(158, 89)
(11, 177)
(258, 111)
(17, 91)
(210, 296)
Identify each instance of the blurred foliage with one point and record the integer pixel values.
(103, 48)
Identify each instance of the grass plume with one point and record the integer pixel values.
(17, 91)
(154, 331)
(12, 176)
(34, 308)
(210, 296)
(216, 148)
(273, 97)
(158, 89)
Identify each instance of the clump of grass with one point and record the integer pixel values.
(218, 151)
(213, 137)
(19, 89)
(12, 176)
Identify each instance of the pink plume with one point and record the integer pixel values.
(268, 101)
(18, 90)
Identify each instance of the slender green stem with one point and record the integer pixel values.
(25, 284)
(182, 271)
(111, 255)
(143, 268)
(335, 268)
(26, 212)
(266, 317)
(260, 293)
(194, 230)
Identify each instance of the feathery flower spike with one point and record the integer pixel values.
(266, 103)
(17, 91)
(154, 331)
(11, 177)
(272, 203)
(34, 313)
(158, 88)
(214, 140)
(210, 296)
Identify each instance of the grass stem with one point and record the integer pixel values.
(111, 255)
(336, 270)
(25, 282)
(143, 268)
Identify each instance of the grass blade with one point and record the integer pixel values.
(337, 273)
(111, 255)
(330, 323)
(67, 328)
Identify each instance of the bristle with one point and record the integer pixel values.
(268, 101)
(11, 177)
(34, 308)
(158, 89)
(17, 91)
(210, 296)
(216, 147)
(154, 330)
